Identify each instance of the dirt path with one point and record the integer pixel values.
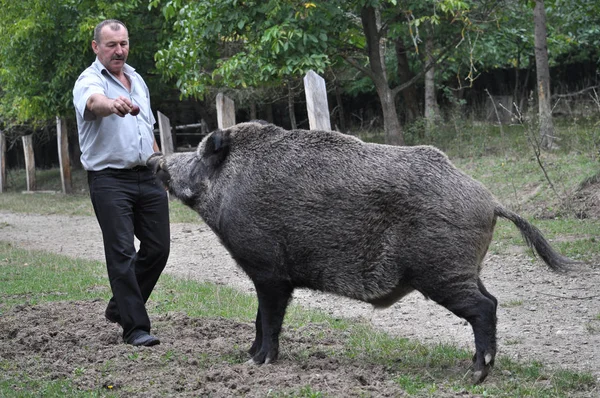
(542, 316)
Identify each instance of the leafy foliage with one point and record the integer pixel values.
(241, 44)
(197, 46)
(46, 44)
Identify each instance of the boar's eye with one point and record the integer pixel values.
(217, 147)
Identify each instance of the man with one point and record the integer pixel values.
(115, 143)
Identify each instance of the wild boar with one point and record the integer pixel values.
(327, 211)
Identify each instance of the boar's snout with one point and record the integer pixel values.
(157, 164)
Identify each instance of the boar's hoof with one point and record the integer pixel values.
(253, 361)
(481, 371)
(479, 376)
(264, 356)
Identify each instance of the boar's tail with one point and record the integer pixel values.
(216, 147)
(536, 241)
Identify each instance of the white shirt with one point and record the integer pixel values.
(113, 141)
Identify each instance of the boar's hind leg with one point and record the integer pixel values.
(273, 299)
(470, 300)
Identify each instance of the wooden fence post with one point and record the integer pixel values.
(64, 160)
(166, 135)
(29, 161)
(2, 161)
(225, 111)
(316, 102)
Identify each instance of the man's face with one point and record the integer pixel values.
(113, 48)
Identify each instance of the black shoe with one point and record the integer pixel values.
(144, 339)
(112, 317)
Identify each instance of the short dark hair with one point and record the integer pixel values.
(114, 24)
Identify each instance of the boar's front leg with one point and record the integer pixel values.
(273, 299)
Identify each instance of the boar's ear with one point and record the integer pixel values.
(216, 147)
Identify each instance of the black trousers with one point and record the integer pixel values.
(130, 203)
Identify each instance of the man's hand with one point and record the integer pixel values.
(102, 106)
(121, 106)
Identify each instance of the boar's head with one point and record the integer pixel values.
(187, 174)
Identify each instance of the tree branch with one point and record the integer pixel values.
(575, 93)
(428, 66)
(358, 66)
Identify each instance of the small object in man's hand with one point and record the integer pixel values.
(134, 110)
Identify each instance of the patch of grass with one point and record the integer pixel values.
(134, 356)
(26, 387)
(300, 317)
(461, 137)
(512, 303)
(519, 181)
(571, 237)
(180, 213)
(46, 203)
(45, 180)
(304, 392)
(168, 356)
(592, 328)
(531, 379)
(33, 276)
(414, 385)
(403, 356)
(202, 299)
(512, 342)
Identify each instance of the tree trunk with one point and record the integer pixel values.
(391, 124)
(74, 148)
(2, 161)
(269, 112)
(543, 76)
(340, 107)
(253, 113)
(432, 110)
(525, 90)
(411, 99)
(291, 110)
(517, 87)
